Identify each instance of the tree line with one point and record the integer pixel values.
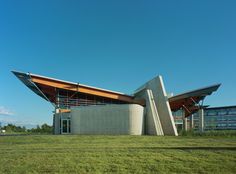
(43, 129)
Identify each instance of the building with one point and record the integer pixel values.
(215, 118)
(83, 109)
(220, 118)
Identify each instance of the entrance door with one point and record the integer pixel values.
(65, 126)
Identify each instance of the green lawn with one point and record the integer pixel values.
(119, 154)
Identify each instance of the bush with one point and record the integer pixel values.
(44, 129)
(225, 133)
(14, 128)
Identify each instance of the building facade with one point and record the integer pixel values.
(215, 118)
(220, 118)
(83, 109)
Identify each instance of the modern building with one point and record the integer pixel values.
(220, 118)
(215, 118)
(83, 109)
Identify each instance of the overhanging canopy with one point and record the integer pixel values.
(189, 101)
(76, 94)
(48, 88)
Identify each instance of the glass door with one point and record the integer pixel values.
(65, 126)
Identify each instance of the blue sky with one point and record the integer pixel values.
(116, 45)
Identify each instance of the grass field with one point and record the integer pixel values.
(117, 154)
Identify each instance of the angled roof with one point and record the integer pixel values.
(189, 100)
(45, 87)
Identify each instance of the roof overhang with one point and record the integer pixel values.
(189, 101)
(46, 88)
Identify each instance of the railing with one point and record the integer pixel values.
(66, 102)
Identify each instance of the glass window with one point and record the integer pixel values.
(65, 125)
(212, 113)
(222, 112)
(232, 112)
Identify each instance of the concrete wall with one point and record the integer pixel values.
(108, 119)
(161, 103)
(56, 123)
(153, 123)
(124, 119)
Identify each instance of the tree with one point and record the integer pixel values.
(44, 129)
(14, 128)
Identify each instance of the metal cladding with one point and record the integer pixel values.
(83, 109)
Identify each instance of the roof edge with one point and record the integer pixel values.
(68, 82)
(215, 86)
